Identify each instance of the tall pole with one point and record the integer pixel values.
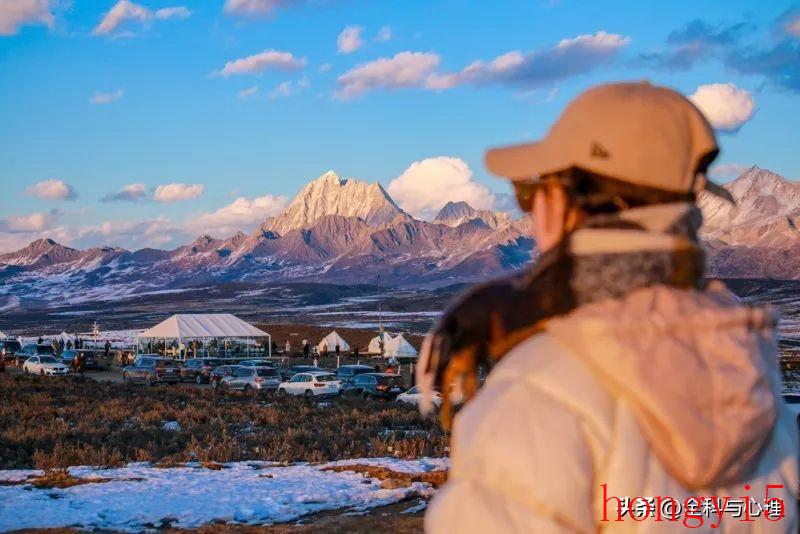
(380, 317)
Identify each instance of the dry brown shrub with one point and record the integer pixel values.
(48, 423)
(394, 479)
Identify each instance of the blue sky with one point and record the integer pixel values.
(92, 103)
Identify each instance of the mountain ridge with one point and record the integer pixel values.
(346, 231)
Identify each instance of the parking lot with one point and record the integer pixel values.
(113, 371)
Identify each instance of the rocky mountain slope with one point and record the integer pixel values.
(759, 236)
(335, 230)
(349, 231)
(456, 213)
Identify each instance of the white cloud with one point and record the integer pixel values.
(248, 92)
(52, 189)
(268, 59)
(570, 57)
(290, 88)
(33, 222)
(384, 34)
(427, 185)
(263, 8)
(125, 10)
(325, 67)
(241, 214)
(177, 191)
(725, 106)
(129, 193)
(350, 40)
(178, 12)
(544, 67)
(791, 23)
(106, 98)
(404, 70)
(248, 8)
(17, 13)
(130, 234)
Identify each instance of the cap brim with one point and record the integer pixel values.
(704, 184)
(521, 162)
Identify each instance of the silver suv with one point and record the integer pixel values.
(259, 379)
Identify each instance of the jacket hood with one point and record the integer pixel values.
(694, 366)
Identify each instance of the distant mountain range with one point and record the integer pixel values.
(335, 230)
(347, 231)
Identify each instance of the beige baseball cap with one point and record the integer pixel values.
(634, 132)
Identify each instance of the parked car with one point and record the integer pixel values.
(258, 379)
(32, 349)
(219, 373)
(256, 363)
(150, 370)
(9, 349)
(44, 365)
(199, 369)
(375, 385)
(414, 396)
(311, 384)
(92, 362)
(345, 373)
(288, 372)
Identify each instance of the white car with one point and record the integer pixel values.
(44, 365)
(311, 384)
(414, 396)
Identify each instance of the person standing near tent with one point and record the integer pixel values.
(337, 349)
(306, 349)
(107, 349)
(618, 373)
(287, 348)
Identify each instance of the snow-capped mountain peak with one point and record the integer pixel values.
(331, 194)
(454, 214)
(39, 251)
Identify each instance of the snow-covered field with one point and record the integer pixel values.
(255, 493)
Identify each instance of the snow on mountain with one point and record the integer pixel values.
(334, 230)
(331, 195)
(40, 252)
(348, 231)
(758, 237)
(766, 211)
(456, 213)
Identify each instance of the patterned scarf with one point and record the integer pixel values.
(609, 257)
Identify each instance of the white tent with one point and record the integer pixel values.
(330, 341)
(3, 335)
(65, 337)
(399, 347)
(375, 343)
(202, 325)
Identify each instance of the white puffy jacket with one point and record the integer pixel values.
(664, 393)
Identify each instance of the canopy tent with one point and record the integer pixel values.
(202, 325)
(330, 341)
(63, 336)
(205, 327)
(399, 347)
(3, 335)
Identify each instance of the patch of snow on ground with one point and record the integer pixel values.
(187, 497)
